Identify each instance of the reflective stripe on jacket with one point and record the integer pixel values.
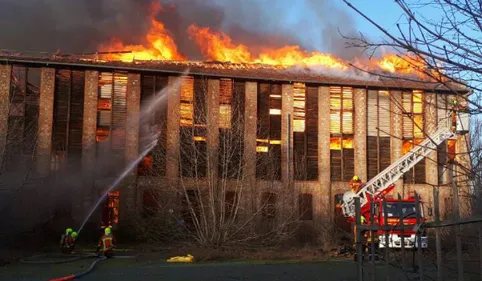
(106, 242)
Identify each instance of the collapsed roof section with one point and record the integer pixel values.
(312, 75)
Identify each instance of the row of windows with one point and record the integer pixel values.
(111, 122)
(305, 129)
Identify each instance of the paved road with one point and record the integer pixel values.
(124, 269)
(132, 269)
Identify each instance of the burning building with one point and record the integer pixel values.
(315, 130)
(295, 135)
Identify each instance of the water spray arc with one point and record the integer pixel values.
(150, 140)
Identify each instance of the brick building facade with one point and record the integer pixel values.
(339, 127)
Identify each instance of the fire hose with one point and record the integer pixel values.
(33, 260)
(78, 275)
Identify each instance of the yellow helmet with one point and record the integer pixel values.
(355, 178)
(454, 102)
(74, 234)
(69, 230)
(107, 231)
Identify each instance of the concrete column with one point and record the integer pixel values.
(396, 133)
(289, 192)
(172, 131)
(360, 135)
(322, 204)
(212, 133)
(45, 121)
(89, 136)
(431, 166)
(5, 74)
(249, 154)
(128, 192)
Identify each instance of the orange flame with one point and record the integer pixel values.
(161, 44)
(402, 64)
(219, 46)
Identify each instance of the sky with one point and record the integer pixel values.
(83, 25)
(384, 12)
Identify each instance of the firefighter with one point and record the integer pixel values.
(355, 183)
(106, 243)
(455, 107)
(67, 242)
(74, 239)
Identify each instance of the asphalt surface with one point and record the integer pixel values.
(131, 269)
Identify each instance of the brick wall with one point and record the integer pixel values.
(44, 141)
(5, 73)
(360, 135)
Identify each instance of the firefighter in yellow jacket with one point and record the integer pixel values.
(106, 243)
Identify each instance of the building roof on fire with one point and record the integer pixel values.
(254, 72)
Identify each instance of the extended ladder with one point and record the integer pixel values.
(393, 172)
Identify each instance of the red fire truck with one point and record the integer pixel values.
(377, 189)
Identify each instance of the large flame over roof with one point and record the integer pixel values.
(218, 46)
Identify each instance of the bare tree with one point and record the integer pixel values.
(444, 48)
(215, 202)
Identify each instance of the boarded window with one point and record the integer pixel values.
(305, 132)
(378, 130)
(268, 141)
(231, 138)
(193, 160)
(305, 203)
(443, 155)
(112, 117)
(230, 203)
(268, 205)
(154, 101)
(413, 131)
(110, 210)
(342, 155)
(150, 202)
(22, 127)
(68, 115)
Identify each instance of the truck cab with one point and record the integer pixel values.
(398, 212)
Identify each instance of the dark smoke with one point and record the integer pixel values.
(81, 25)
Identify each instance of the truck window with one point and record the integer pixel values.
(408, 210)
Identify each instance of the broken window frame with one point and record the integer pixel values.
(193, 145)
(268, 136)
(231, 138)
(446, 151)
(343, 134)
(380, 141)
(151, 88)
(305, 142)
(305, 206)
(68, 109)
(415, 134)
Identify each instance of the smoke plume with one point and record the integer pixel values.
(81, 26)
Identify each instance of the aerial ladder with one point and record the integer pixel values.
(384, 182)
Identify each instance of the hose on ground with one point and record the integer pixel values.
(78, 275)
(35, 260)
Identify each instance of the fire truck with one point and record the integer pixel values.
(378, 188)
